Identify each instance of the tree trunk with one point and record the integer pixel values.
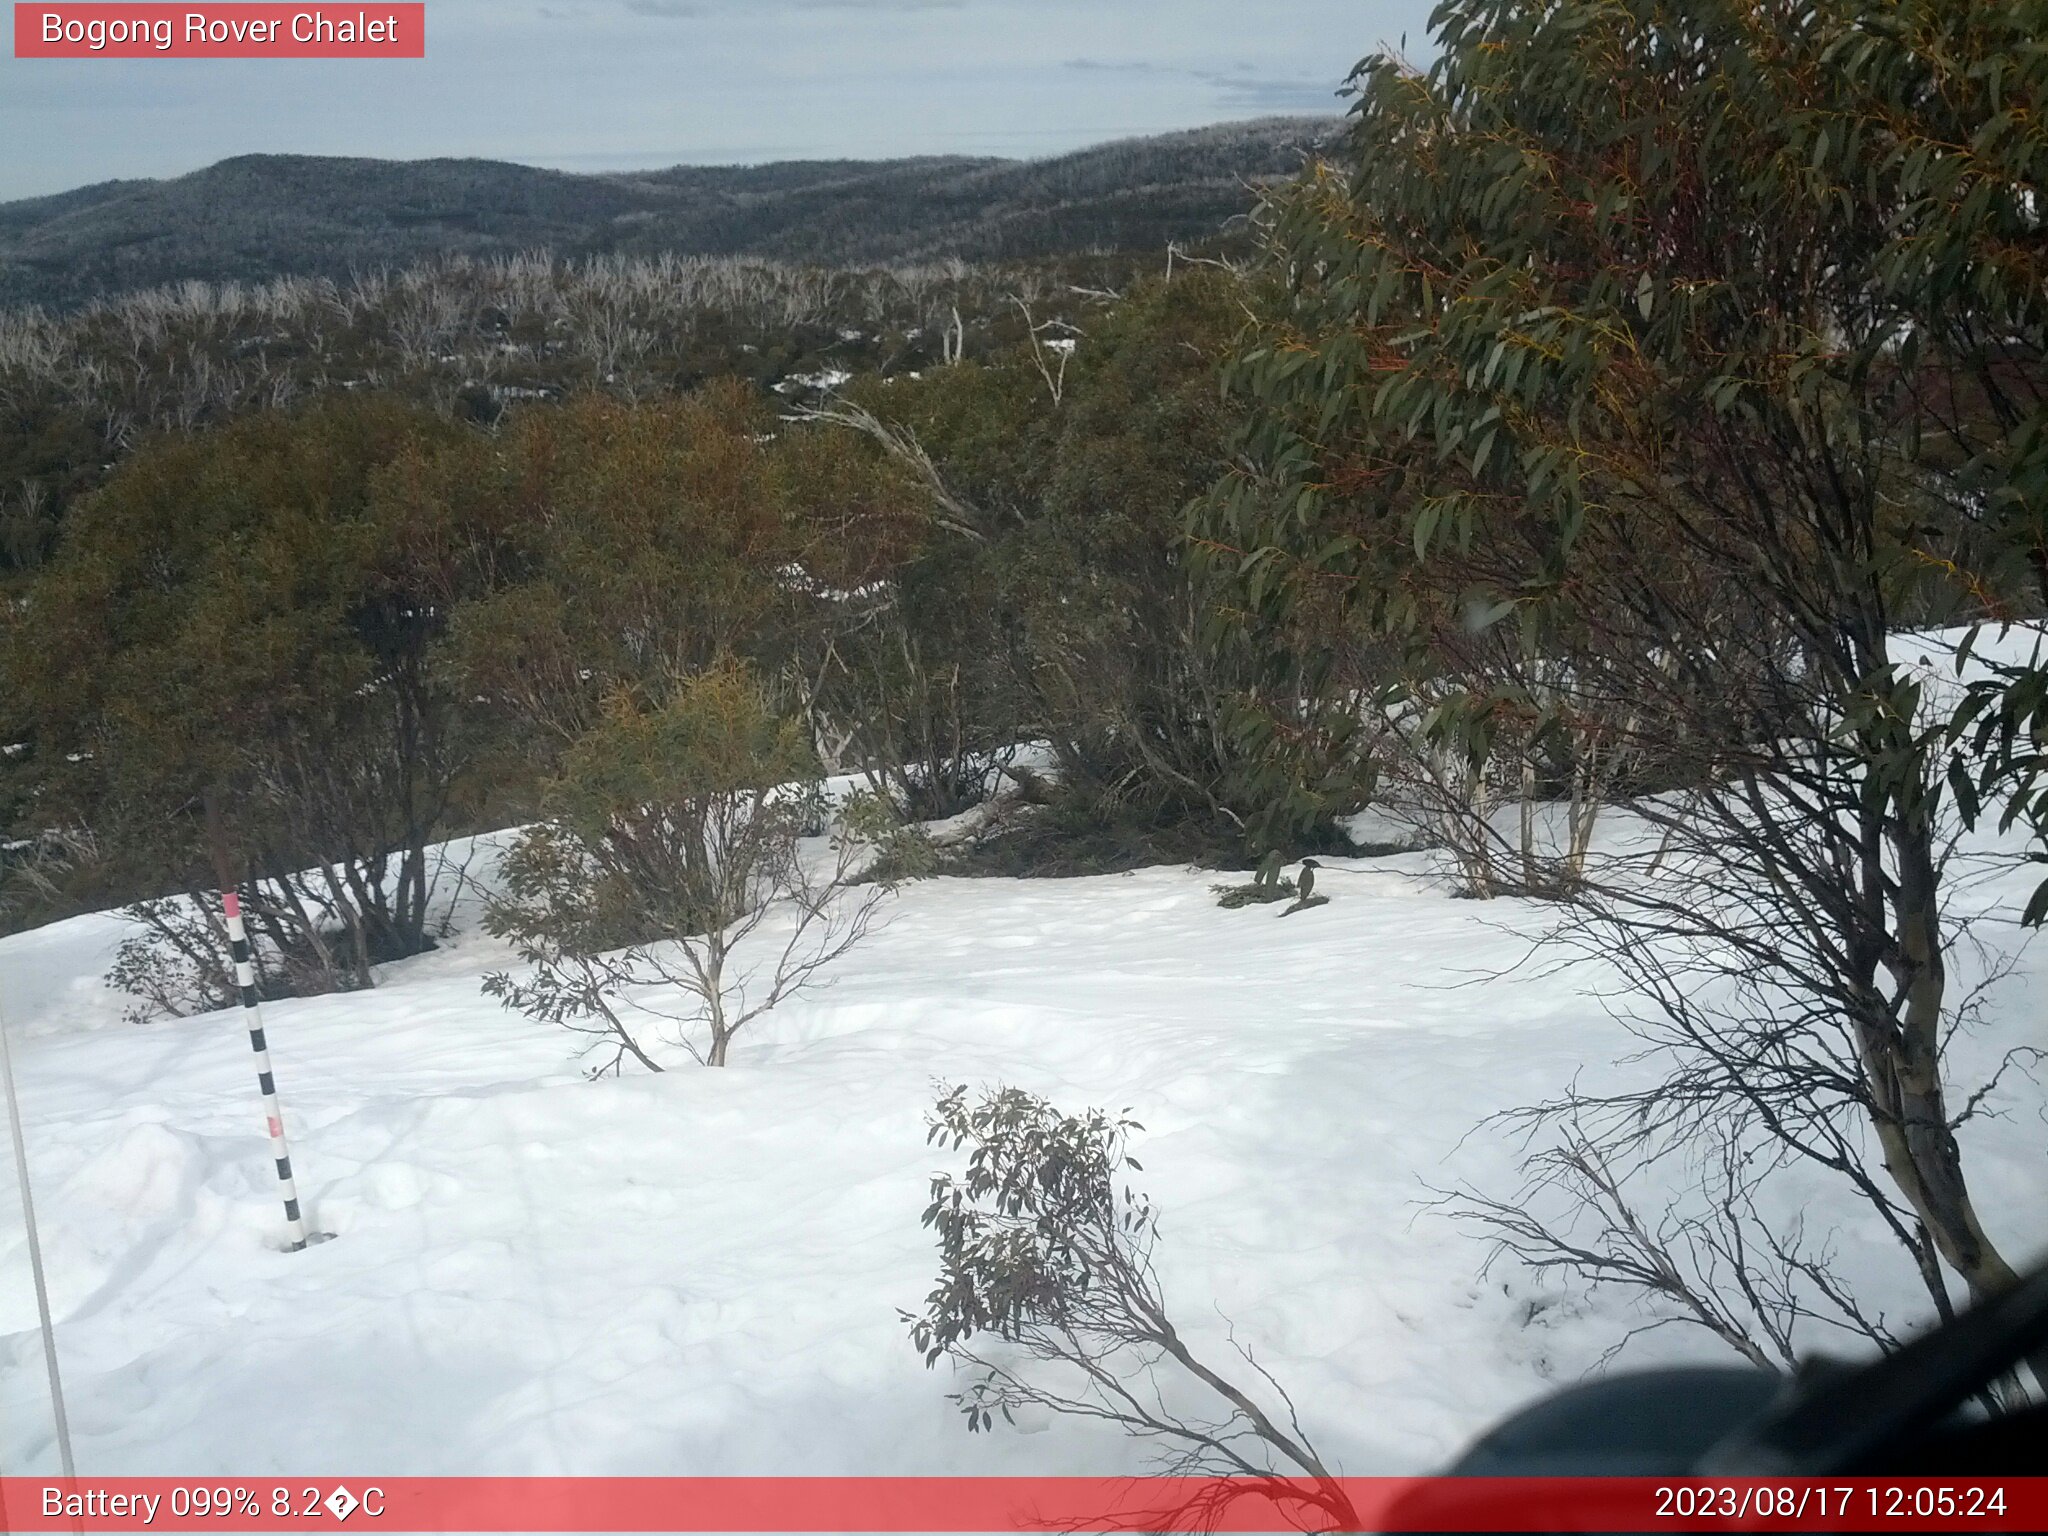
(1530, 878)
(1903, 1067)
(1920, 1148)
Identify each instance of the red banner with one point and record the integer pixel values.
(933, 1504)
(216, 30)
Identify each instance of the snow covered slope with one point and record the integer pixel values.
(701, 1272)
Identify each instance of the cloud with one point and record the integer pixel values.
(1238, 89)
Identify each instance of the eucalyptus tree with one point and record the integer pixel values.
(1696, 347)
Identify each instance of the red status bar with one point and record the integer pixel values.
(934, 1504)
(247, 29)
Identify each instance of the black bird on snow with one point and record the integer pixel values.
(1305, 889)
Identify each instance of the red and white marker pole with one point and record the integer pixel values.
(245, 979)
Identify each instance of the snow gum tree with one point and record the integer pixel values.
(641, 544)
(1642, 333)
(1048, 1298)
(230, 663)
(673, 863)
(1049, 581)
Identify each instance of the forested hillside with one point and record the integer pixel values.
(264, 216)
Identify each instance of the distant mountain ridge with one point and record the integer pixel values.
(261, 216)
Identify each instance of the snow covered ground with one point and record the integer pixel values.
(701, 1272)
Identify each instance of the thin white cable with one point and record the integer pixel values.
(35, 1257)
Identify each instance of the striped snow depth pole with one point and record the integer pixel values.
(245, 978)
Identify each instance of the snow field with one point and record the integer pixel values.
(701, 1272)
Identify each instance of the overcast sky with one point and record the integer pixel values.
(617, 84)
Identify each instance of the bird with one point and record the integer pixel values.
(1305, 889)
